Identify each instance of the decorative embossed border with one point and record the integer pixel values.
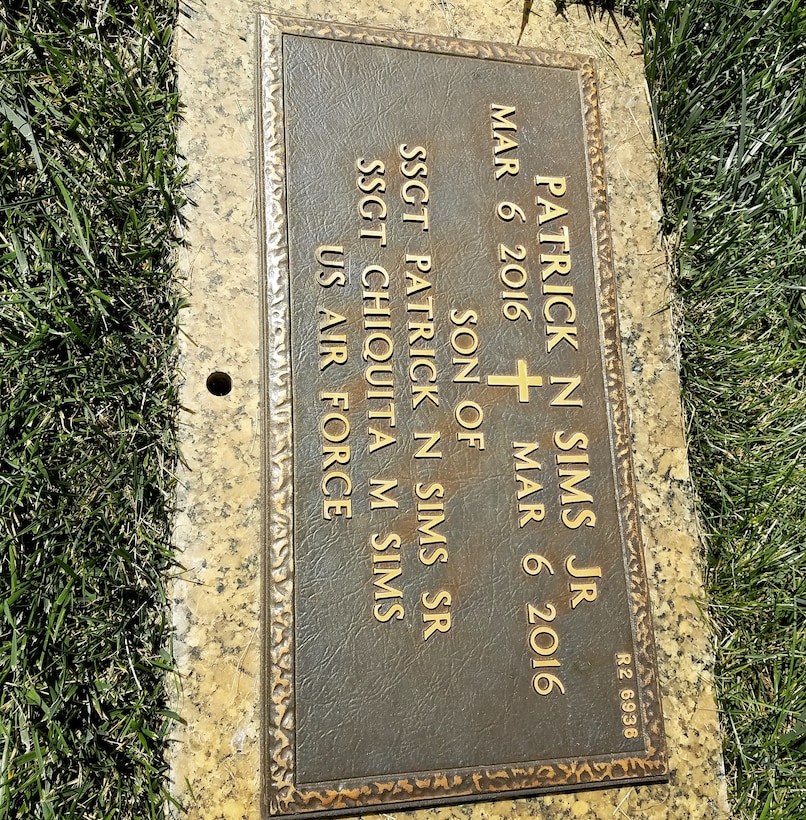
(281, 796)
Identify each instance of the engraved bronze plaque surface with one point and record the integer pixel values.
(456, 602)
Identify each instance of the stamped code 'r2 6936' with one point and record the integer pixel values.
(629, 705)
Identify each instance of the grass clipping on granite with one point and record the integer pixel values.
(729, 98)
(89, 190)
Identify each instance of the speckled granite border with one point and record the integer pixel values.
(217, 598)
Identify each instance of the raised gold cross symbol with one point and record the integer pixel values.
(520, 380)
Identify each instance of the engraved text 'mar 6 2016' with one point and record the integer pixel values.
(455, 596)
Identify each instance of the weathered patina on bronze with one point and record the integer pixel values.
(456, 601)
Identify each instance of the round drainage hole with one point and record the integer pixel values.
(219, 384)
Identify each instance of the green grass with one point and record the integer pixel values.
(728, 88)
(89, 191)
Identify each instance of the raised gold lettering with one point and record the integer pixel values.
(379, 439)
(544, 642)
(474, 440)
(418, 152)
(423, 263)
(383, 591)
(557, 263)
(468, 316)
(527, 485)
(468, 366)
(335, 454)
(414, 283)
(341, 400)
(430, 555)
(531, 512)
(382, 349)
(582, 592)
(387, 413)
(373, 379)
(505, 165)
(435, 621)
(550, 211)
(385, 612)
(420, 392)
(372, 270)
(468, 414)
(421, 217)
(563, 397)
(430, 515)
(332, 349)
(429, 366)
(581, 572)
(377, 314)
(372, 208)
(337, 432)
(427, 450)
(533, 564)
(569, 477)
(552, 302)
(524, 449)
(337, 475)
(330, 256)
(414, 185)
(414, 169)
(577, 440)
(574, 522)
(378, 233)
(502, 143)
(392, 540)
(586, 591)
(556, 184)
(498, 116)
(342, 507)
(561, 333)
(522, 380)
(419, 169)
(430, 519)
(375, 184)
(370, 166)
(561, 238)
(420, 330)
(572, 494)
(330, 319)
(464, 341)
(378, 498)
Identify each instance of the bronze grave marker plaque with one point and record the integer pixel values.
(456, 599)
